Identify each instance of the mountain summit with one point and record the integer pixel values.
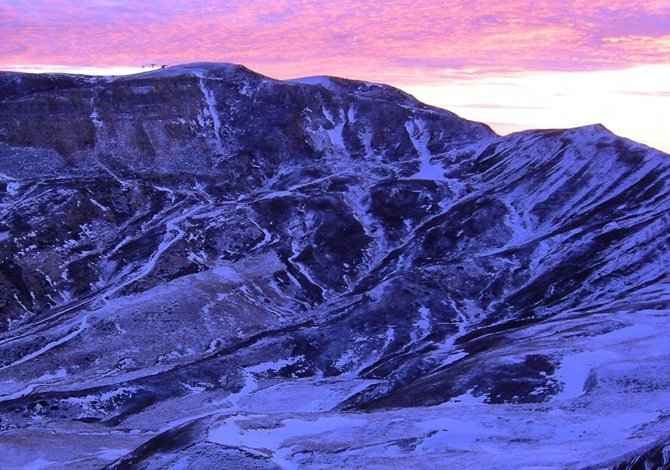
(204, 267)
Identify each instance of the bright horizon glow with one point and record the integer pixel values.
(77, 70)
(515, 65)
(633, 103)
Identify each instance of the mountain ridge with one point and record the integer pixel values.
(176, 249)
(199, 69)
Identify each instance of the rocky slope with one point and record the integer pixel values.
(203, 266)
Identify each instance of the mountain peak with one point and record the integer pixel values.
(596, 128)
(198, 69)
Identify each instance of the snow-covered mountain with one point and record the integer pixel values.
(202, 267)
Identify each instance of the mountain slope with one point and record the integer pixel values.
(200, 250)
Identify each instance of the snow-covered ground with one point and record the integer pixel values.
(614, 371)
(321, 273)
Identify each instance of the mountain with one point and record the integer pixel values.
(203, 267)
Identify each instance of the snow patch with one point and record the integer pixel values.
(422, 326)
(322, 81)
(420, 137)
(226, 273)
(12, 188)
(277, 441)
(97, 204)
(210, 99)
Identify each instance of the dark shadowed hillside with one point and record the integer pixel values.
(202, 267)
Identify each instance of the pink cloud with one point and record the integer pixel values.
(388, 40)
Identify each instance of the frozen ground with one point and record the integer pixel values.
(615, 371)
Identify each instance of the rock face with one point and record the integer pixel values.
(202, 266)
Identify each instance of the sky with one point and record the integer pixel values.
(514, 64)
